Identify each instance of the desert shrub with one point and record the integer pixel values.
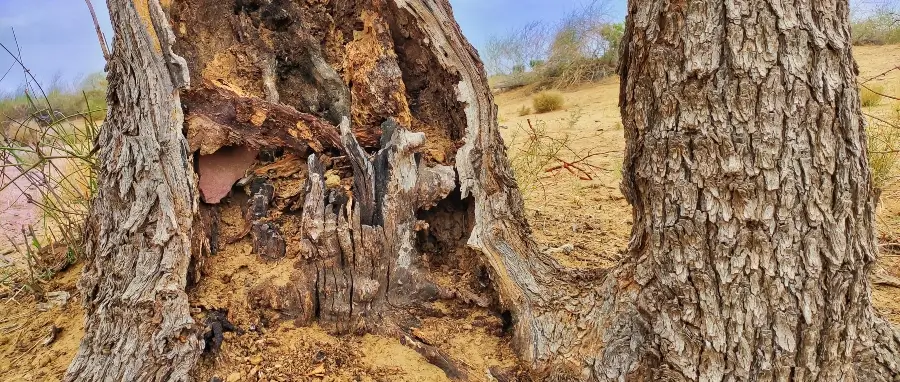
(538, 151)
(870, 95)
(879, 28)
(509, 53)
(547, 101)
(524, 110)
(583, 47)
(884, 150)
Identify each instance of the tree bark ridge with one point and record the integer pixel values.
(138, 325)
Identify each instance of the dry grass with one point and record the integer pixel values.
(53, 169)
(538, 152)
(871, 95)
(884, 150)
(547, 101)
(524, 110)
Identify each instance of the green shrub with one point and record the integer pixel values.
(84, 100)
(870, 95)
(524, 110)
(544, 102)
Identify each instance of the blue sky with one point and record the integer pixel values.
(57, 37)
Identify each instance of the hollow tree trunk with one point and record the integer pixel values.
(745, 164)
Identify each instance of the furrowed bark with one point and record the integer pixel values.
(138, 325)
(754, 215)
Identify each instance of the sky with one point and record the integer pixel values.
(57, 37)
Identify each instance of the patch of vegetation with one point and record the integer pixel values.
(47, 155)
(884, 150)
(870, 95)
(878, 28)
(582, 48)
(538, 152)
(547, 101)
(524, 110)
(84, 99)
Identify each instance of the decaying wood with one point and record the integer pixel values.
(219, 117)
(363, 248)
(138, 325)
(434, 355)
(268, 241)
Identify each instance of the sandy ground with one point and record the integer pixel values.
(589, 218)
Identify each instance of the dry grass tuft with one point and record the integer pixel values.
(870, 96)
(524, 110)
(547, 101)
(53, 168)
(884, 151)
(538, 152)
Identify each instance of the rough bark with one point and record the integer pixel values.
(745, 164)
(138, 325)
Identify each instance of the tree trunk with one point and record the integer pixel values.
(746, 166)
(138, 325)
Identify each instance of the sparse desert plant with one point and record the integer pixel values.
(884, 150)
(537, 152)
(878, 28)
(585, 48)
(547, 101)
(870, 95)
(582, 47)
(50, 162)
(524, 110)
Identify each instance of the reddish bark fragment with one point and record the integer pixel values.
(220, 170)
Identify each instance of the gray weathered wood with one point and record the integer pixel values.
(138, 325)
